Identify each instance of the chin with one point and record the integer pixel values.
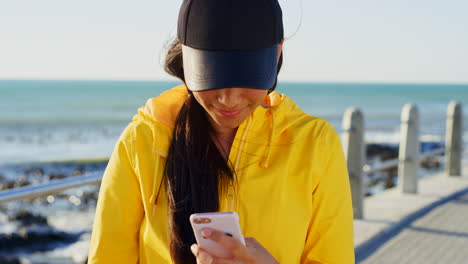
(229, 123)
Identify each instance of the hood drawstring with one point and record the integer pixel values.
(242, 142)
(265, 163)
(156, 191)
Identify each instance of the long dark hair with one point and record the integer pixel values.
(196, 171)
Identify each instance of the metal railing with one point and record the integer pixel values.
(388, 164)
(52, 187)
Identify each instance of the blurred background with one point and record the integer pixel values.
(73, 74)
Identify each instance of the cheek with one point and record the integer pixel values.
(257, 96)
(203, 99)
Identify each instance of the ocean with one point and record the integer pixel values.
(62, 120)
(46, 121)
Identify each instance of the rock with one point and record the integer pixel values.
(7, 185)
(430, 163)
(384, 151)
(22, 181)
(10, 184)
(34, 234)
(35, 238)
(89, 197)
(38, 172)
(9, 260)
(56, 176)
(390, 178)
(78, 171)
(26, 218)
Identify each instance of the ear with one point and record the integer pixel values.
(280, 48)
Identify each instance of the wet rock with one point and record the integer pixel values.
(33, 234)
(78, 171)
(56, 176)
(38, 172)
(9, 260)
(10, 184)
(384, 151)
(390, 178)
(35, 238)
(26, 218)
(7, 185)
(89, 197)
(21, 181)
(431, 163)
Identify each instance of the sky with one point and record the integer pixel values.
(390, 41)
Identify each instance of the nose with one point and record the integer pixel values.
(229, 98)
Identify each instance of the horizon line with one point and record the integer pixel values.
(279, 81)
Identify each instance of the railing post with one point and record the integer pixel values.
(353, 144)
(409, 150)
(453, 139)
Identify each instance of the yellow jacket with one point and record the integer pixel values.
(292, 195)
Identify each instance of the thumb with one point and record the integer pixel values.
(252, 242)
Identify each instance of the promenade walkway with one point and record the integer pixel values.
(441, 236)
(428, 227)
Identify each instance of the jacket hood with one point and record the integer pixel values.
(161, 111)
(266, 124)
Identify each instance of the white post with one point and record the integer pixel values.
(353, 144)
(409, 150)
(453, 139)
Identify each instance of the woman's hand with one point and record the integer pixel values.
(253, 252)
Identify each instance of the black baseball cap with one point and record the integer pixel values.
(230, 43)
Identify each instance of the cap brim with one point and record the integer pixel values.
(208, 69)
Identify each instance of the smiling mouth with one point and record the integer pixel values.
(228, 113)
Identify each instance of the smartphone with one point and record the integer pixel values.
(226, 222)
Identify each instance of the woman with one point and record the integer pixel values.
(225, 141)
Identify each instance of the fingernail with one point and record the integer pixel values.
(194, 248)
(206, 232)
